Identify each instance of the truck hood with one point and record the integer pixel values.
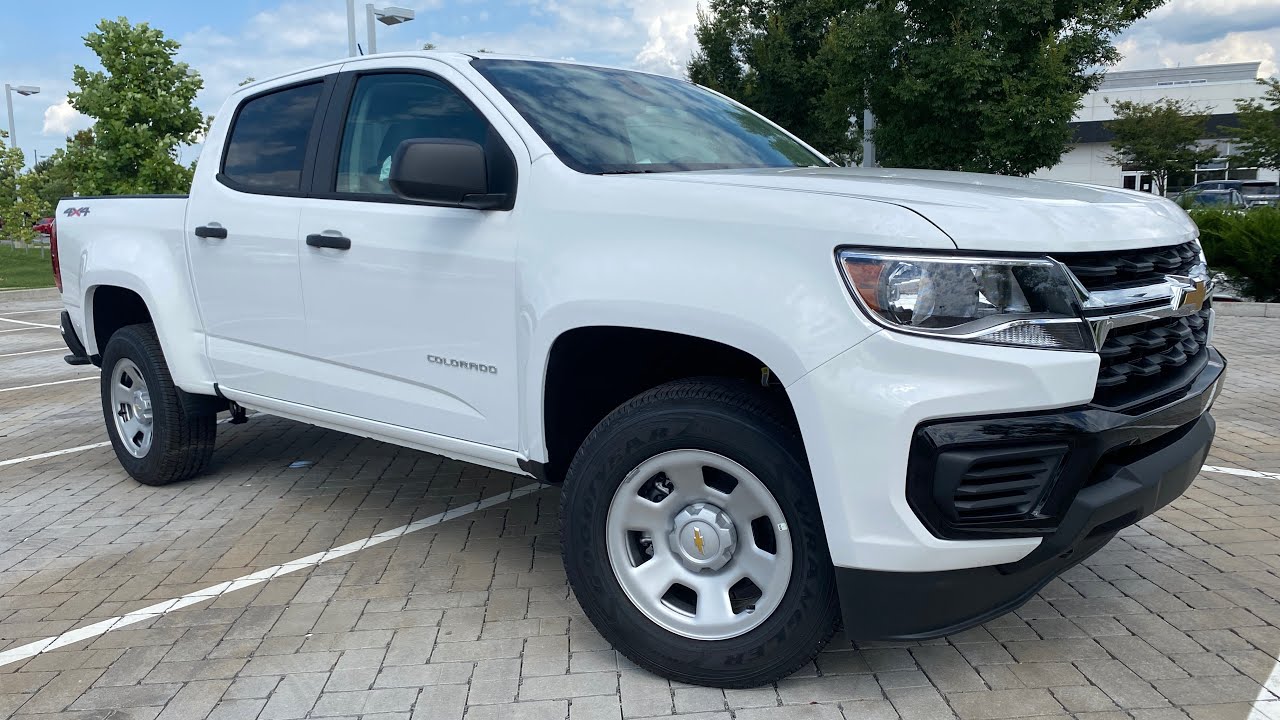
(986, 212)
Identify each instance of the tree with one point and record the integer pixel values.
(764, 53)
(1259, 133)
(14, 220)
(981, 85)
(1159, 137)
(60, 175)
(142, 102)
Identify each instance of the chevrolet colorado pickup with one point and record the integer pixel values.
(776, 393)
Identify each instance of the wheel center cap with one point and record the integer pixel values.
(142, 404)
(704, 537)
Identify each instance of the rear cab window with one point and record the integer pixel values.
(267, 146)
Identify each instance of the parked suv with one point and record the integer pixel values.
(774, 392)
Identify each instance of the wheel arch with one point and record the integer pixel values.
(115, 300)
(588, 371)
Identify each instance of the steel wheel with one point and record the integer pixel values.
(131, 408)
(699, 544)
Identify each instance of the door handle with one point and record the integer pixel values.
(214, 232)
(335, 242)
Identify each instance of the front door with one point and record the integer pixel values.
(242, 240)
(410, 307)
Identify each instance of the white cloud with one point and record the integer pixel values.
(62, 119)
(670, 37)
(654, 35)
(1201, 32)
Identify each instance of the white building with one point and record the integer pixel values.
(1214, 88)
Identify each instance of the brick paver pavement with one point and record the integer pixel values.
(472, 618)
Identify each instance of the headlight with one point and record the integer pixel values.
(1026, 302)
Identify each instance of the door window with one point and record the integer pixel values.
(389, 108)
(268, 141)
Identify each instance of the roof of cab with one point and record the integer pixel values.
(453, 58)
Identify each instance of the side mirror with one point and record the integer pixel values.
(445, 171)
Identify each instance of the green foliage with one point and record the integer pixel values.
(1159, 137)
(1259, 131)
(142, 102)
(977, 85)
(764, 53)
(15, 207)
(1246, 246)
(24, 268)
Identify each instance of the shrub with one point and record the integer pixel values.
(1245, 246)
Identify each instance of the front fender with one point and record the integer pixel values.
(746, 267)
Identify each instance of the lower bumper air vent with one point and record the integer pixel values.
(976, 486)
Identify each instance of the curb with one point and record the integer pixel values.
(37, 294)
(1247, 309)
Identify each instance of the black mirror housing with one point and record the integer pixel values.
(443, 171)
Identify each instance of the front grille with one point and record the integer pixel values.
(1130, 268)
(976, 486)
(1147, 362)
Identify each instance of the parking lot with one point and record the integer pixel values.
(314, 574)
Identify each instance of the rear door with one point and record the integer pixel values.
(242, 235)
(413, 318)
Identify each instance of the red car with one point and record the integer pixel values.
(44, 227)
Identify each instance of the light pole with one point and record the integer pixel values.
(386, 16)
(351, 28)
(9, 90)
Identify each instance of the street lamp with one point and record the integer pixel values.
(9, 90)
(387, 16)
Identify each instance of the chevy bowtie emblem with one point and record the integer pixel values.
(1190, 295)
(697, 540)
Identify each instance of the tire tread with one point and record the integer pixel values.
(189, 444)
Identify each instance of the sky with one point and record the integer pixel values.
(230, 40)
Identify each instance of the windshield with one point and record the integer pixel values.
(604, 121)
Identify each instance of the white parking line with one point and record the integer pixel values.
(1241, 473)
(24, 322)
(55, 453)
(56, 382)
(30, 650)
(29, 312)
(33, 352)
(95, 446)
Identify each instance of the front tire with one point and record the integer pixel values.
(158, 438)
(692, 537)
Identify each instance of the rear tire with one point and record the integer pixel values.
(679, 443)
(158, 435)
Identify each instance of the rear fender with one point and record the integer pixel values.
(168, 298)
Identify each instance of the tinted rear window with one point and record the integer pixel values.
(269, 140)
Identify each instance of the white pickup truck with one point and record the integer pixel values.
(775, 393)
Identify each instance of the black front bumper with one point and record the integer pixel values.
(1109, 471)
